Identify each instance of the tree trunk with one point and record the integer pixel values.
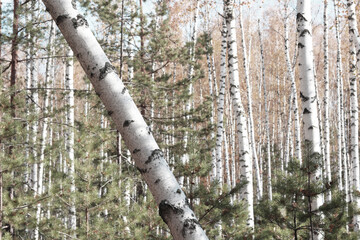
(267, 127)
(293, 87)
(259, 182)
(239, 113)
(69, 86)
(326, 104)
(149, 159)
(354, 116)
(339, 95)
(308, 92)
(221, 102)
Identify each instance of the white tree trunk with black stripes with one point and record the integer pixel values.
(354, 68)
(239, 113)
(69, 86)
(259, 182)
(308, 93)
(221, 101)
(267, 127)
(326, 103)
(149, 159)
(291, 75)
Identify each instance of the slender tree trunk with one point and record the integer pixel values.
(291, 74)
(259, 182)
(1, 174)
(69, 86)
(44, 134)
(221, 102)
(149, 159)
(238, 111)
(193, 41)
(267, 127)
(354, 117)
(326, 102)
(308, 92)
(339, 95)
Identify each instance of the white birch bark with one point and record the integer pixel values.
(267, 127)
(190, 102)
(308, 92)
(288, 134)
(326, 103)
(259, 182)
(212, 135)
(69, 86)
(35, 125)
(339, 95)
(44, 134)
(221, 101)
(353, 29)
(238, 111)
(291, 75)
(149, 159)
(354, 116)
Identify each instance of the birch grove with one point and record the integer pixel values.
(144, 119)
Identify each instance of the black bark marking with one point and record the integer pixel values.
(306, 111)
(127, 123)
(157, 181)
(142, 170)
(123, 91)
(301, 45)
(166, 209)
(300, 17)
(61, 18)
(136, 150)
(110, 112)
(73, 3)
(155, 155)
(98, 94)
(108, 68)
(304, 98)
(189, 227)
(79, 21)
(304, 32)
(178, 191)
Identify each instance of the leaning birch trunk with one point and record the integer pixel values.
(69, 86)
(354, 117)
(326, 104)
(238, 111)
(173, 205)
(259, 182)
(267, 127)
(308, 93)
(293, 88)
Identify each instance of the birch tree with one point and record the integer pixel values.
(69, 86)
(149, 159)
(239, 113)
(259, 182)
(291, 75)
(354, 67)
(326, 101)
(308, 94)
(267, 127)
(221, 102)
